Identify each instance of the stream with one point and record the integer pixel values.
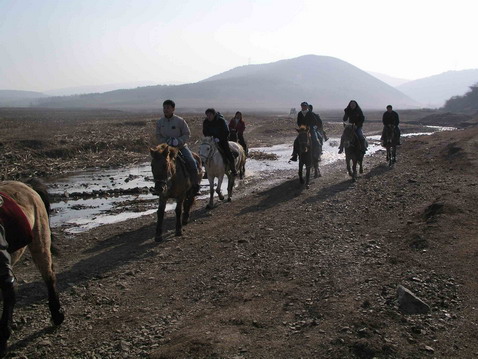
(89, 199)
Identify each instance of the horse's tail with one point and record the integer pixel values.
(42, 190)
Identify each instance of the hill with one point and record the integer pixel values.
(467, 103)
(433, 91)
(327, 82)
(19, 98)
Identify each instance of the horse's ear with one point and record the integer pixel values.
(173, 152)
(297, 130)
(153, 152)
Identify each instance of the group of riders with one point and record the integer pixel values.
(174, 131)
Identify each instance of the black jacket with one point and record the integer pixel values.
(308, 120)
(217, 128)
(354, 116)
(390, 118)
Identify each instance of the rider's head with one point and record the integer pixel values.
(305, 106)
(389, 108)
(168, 108)
(210, 114)
(311, 107)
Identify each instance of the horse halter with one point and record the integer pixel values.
(210, 153)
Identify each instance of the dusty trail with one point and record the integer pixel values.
(280, 272)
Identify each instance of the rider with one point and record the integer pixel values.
(320, 126)
(174, 131)
(215, 125)
(305, 118)
(7, 279)
(390, 117)
(354, 114)
(238, 125)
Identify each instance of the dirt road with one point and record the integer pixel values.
(283, 272)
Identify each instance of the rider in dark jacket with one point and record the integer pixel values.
(215, 125)
(309, 119)
(390, 117)
(354, 115)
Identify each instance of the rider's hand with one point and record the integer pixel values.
(216, 139)
(174, 142)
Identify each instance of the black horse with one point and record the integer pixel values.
(353, 151)
(306, 155)
(390, 141)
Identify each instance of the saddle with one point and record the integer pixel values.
(18, 232)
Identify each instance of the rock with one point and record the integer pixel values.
(409, 303)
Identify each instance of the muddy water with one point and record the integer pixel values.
(93, 198)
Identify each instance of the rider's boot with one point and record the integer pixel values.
(7, 279)
(294, 157)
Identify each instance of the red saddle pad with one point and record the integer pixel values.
(17, 228)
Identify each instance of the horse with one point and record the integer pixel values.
(353, 151)
(215, 167)
(307, 156)
(172, 180)
(390, 141)
(31, 211)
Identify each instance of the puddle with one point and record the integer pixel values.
(111, 196)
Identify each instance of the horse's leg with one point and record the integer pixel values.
(8, 294)
(211, 193)
(179, 211)
(188, 202)
(307, 175)
(354, 169)
(301, 167)
(360, 160)
(218, 189)
(230, 186)
(394, 154)
(349, 169)
(159, 224)
(41, 256)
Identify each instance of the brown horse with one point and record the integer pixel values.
(35, 211)
(353, 151)
(306, 155)
(390, 141)
(171, 180)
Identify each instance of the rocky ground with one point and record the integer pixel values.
(281, 272)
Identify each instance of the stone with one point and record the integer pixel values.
(409, 303)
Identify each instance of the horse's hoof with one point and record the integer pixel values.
(361, 170)
(302, 181)
(221, 197)
(179, 233)
(307, 186)
(158, 239)
(229, 199)
(209, 206)
(58, 318)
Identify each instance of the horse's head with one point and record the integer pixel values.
(349, 137)
(304, 138)
(163, 167)
(206, 149)
(389, 134)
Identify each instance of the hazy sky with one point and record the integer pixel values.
(51, 44)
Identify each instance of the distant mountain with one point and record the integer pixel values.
(326, 82)
(390, 80)
(19, 98)
(79, 90)
(433, 91)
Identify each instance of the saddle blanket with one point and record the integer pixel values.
(17, 228)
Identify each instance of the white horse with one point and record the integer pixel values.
(215, 167)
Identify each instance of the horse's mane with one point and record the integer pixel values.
(164, 149)
(302, 128)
